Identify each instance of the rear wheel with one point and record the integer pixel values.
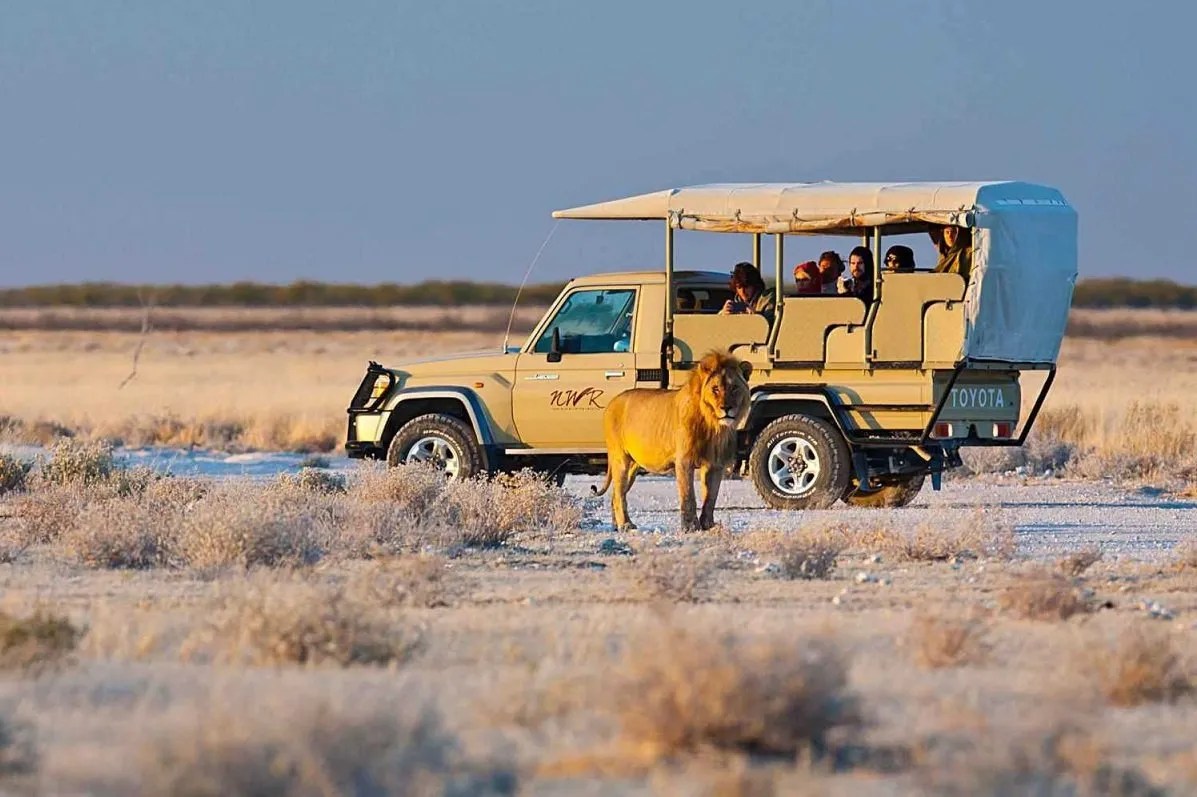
(897, 493)
(800, 462)
(442, 441)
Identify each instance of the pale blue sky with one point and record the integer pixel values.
(396, 141)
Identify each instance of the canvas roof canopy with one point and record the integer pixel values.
(1024, 241)
(817, 208)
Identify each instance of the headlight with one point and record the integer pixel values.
(381, 383)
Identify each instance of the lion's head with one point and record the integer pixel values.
(720, 384)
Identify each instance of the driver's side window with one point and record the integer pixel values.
(590, 322)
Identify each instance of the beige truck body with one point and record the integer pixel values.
(897, 379)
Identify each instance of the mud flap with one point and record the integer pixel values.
(860, 466)
(936, 480)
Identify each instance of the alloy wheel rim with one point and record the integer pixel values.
(435, 451)
(794, 466)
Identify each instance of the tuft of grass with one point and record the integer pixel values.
(419, 581)
(78, 463)
(289, 622)
(985, 534)
(1184, 556)
(1140, 666)
(122, 533)
(314, 480)
(679, 691)
(940, 641)
(315, 750)
(243, 527)
(46, 514)
(13, 473)
(1041, 595)
(673, 576)
(1077, 562)
(35, 642)
(806, 554)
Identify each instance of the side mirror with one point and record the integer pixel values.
(554, 355)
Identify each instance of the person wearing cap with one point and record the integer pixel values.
(748, 293)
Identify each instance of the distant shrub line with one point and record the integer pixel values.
(1096, 293)
(256, 294)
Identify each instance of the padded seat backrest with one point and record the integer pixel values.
(696, 334)
(897, 334)
(800, 334)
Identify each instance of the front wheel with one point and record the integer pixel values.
(442, 441)
(800, 462)
(897, 493)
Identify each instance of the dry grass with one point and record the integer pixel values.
(682, 692)
(809, 553)
(938, 641)
(1077, 562)
(673, 576)
(40, 640)
(986, 534)
(421, 581)
(1184, 556)
(12, 474)
(242, 527)
(316, 750)
(1141, 665)
(1041, 595)
(295, 622)
(121, 534)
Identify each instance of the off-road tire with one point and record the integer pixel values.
(453, 432)
(816, 438)
(896, 494)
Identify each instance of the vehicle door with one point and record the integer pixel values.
(579, 360)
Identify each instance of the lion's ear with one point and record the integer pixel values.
(745, 370)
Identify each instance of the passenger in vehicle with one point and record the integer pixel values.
(748, 293)
(899, 259)
(858, 281)
(956, 255)
(687, 302)
(808, 278)
(831, 266)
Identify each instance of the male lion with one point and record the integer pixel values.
(694, 427)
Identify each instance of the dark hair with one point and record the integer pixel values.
(746, 275)
(834, 257)
(865, 254)
(905, 256)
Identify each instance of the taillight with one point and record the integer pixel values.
(942, 430)
(1003, 429)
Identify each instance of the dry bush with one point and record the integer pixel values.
(673, 576)
(484, 512)
(1077, 562)
(313, 480)
(1141, 665)
(1041, 595)
(939, 641)
(240, 526)
(12, 474)
(417, 581)
(47, 513)
(40, 640)
(123, 533)
(78, 463)
(289, 621)
(681, 691)
(306, 751)
(809, 553)
(1145, 441)
(983, 534)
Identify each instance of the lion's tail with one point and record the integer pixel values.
(606, 484)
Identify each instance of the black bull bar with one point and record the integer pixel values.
(985, 441)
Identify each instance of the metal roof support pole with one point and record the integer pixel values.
(669, 297)
(778, 259)
(877, 297)
(756, 250)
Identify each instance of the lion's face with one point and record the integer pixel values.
(724, 389)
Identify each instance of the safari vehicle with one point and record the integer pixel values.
(852, 402)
